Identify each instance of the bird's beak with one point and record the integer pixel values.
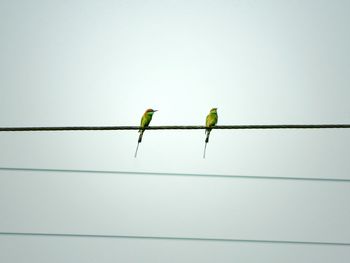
(155, 110)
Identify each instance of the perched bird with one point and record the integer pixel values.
(210, 122)
(145, 121)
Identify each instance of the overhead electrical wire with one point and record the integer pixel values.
(176, 238)
(187, 175)
(181, 127)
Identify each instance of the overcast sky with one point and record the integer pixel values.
(76, 63)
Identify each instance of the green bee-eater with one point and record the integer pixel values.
(145, 121)
(210, 122)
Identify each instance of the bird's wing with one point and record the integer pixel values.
(215, 119)
(207, 121)
(211, 120)
(146, 119)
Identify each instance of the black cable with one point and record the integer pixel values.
(181, 127)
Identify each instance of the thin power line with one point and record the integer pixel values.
(187, 175)
(188, 127)
(288, 242)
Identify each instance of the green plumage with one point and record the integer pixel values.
(145, 121)
(211, 121)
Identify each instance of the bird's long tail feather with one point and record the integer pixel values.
(207, 138)
(138, 142)
(205, 148)
(207, 132)
(140, 136)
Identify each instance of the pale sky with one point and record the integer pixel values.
(76, 63)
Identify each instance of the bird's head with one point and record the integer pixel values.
(213, 110)
(150, 111)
